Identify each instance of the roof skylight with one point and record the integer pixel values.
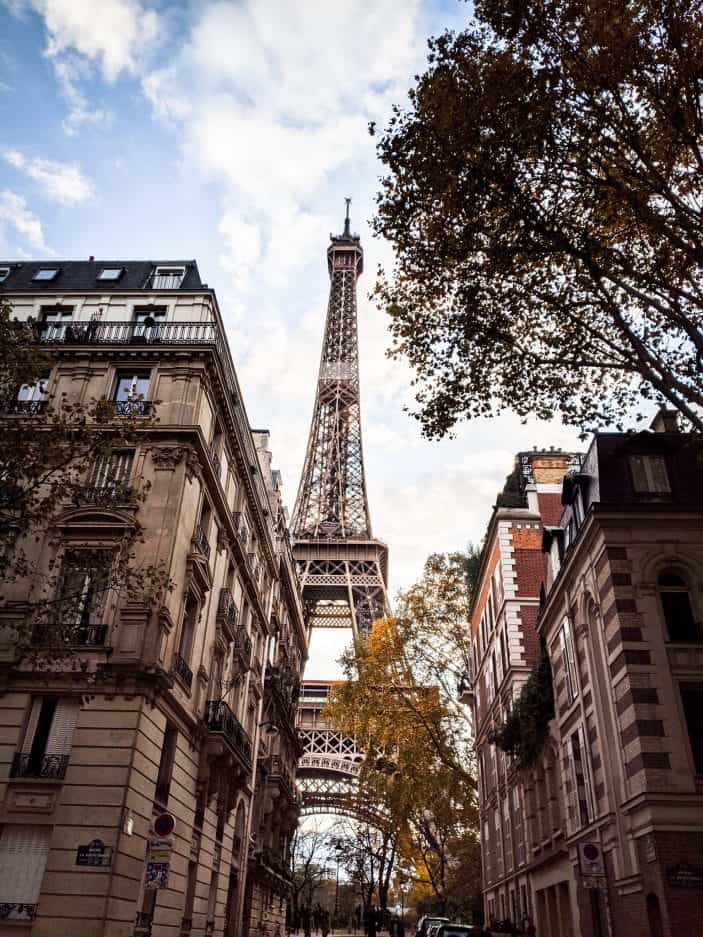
(45, 274)
(111, 273)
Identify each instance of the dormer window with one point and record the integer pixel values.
(166, 278)
(45, 274)
(649, 474)
(110, 274)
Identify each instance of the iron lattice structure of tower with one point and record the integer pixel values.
(343, 567)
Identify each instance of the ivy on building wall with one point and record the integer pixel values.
(525, 729)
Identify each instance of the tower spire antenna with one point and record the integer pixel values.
(347, 230)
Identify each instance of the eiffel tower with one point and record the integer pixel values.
(343, 567)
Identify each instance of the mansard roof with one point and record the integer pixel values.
(81, 276)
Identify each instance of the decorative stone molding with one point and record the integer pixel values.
(166, 458)
(223, 541)
(193, 467)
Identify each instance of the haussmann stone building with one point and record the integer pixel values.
(186, 718)
(602, 836)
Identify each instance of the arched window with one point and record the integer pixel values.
(675, 597)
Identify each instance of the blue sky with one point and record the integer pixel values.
(230, 132)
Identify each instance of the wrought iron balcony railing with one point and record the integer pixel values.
(27, 765)
(112, 493)
(88, 635)
(227, 610)
(132, 407)
(23, 407)
(17, 911)
(164, 281)
(200, 542)
(242, 648)
(182, 670)
(219, 718)
(130, 332)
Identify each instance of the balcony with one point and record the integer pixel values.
(23, 407)
(130, 332)
(182, 671)
(200, 542)
(84, 635)
(220, 720)
(227, 612)
(242, 648)
(102, 495)
(17, 911)
(27, 765)
(165, 281)
(132, 407)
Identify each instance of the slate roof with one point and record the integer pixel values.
(81, 276)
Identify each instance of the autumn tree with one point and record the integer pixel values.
(543, 196)
(399, 701)
(309, 852)
(59, 454)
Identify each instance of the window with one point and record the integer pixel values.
(555, 557)
(45, 274)
(110, 274)
(148, 320)
(111, 472)
(4, 273)
(649, 474)
(166, 278)
(23, 854)
(190, 619)
(675, 598)
(47, 738)
(131, 391)
(54, 323)
(692, 699)
(82, 592)
(34, 393)
(168, 754)
(567, 656)
(581, 770)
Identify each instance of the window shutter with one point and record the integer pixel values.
(31, 726)
(23, 855)
(62, 726)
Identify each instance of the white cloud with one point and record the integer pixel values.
(62, 182)
(14, 214)
(114, 34)
(273, 98)
(70, 71)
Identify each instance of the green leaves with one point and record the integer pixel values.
(525, 729)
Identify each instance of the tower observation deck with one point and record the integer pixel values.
(343, 567)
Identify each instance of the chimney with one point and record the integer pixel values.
(666, 421)
(91, 259)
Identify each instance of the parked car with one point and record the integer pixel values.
(458, 930)
(425, 922)
(434, 927)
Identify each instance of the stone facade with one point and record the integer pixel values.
(186, 707)
(622, 623)
(518, 833)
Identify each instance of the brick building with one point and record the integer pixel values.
(623, 626)
(188, 706)
(505, 645)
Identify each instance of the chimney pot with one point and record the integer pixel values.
(666, 421)
(91, 259)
